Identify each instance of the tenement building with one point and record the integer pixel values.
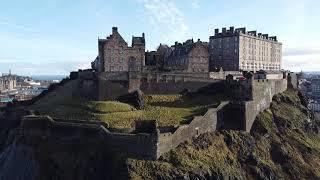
(238, 49)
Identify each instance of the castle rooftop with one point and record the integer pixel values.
(242, 31)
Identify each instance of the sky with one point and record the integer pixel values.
(54, 37)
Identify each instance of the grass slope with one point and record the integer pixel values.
(66, 103)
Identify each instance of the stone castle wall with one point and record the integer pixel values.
(141, 144)
(111, 85)
(171, 138)
(263, 91)
(252, 97)
(144, 145)
(170, 83)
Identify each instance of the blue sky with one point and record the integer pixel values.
(58, 36)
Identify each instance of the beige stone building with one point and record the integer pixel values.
(238, 49)
(116, 56)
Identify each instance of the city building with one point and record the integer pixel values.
(238, 49)
(315, 88)
(7, 82)
(314, 106)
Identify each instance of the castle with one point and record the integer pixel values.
(120, 69)
(190, 65)
(231, 50)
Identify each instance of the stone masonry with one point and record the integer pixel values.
(116, 56)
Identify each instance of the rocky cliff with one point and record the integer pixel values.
(284, 143)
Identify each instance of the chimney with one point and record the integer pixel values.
(143, 35)
(274, 38)
(114, 30)
(216, 32)
(224, 30)
(231, 29)
(266, 36)
(176, 43)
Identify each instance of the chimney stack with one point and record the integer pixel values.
(266, 36)
(224, 30)
(114, 30)
(231, 29)
(216, 31)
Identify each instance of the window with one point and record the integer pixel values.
(120, 68)
(111, 68)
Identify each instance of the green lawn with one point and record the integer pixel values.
(166, 109)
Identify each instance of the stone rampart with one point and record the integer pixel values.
(142, 145)
(112, 85)
(149, 145)
(293, 80)
(251, 98)
(172, 137)
(166, 83)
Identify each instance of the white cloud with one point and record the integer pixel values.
(166, 18)
(301, 51)
(195, 4)
(301, 58)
